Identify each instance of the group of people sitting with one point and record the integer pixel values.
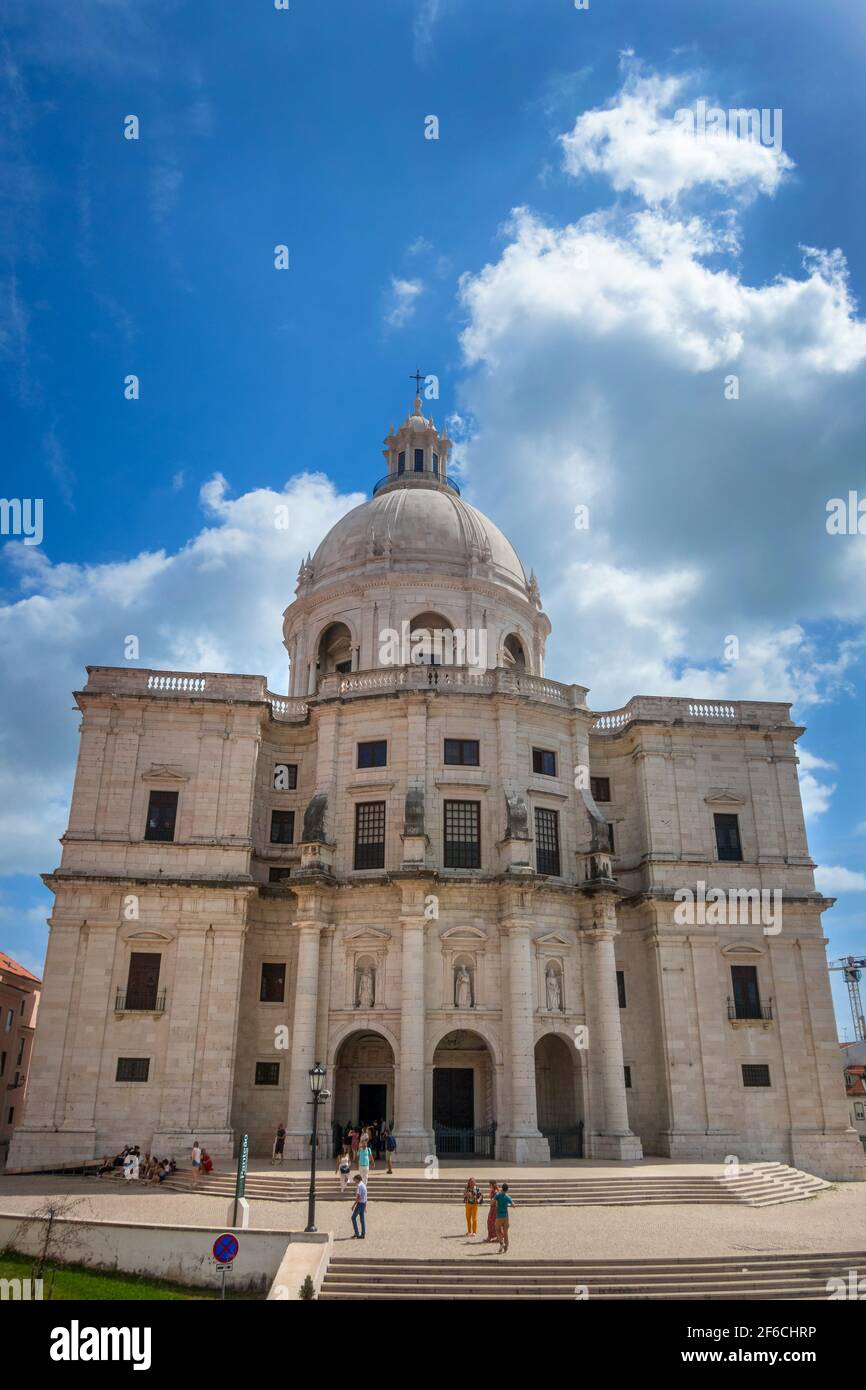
(136, 1167)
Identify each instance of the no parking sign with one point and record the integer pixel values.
(225, 1247)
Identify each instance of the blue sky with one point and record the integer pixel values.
(600, 384)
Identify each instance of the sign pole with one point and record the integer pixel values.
(240, 1184)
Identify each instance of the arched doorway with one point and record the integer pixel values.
(464, 1107)
(559, 1096)
(363, 1081)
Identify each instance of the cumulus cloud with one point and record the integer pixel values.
(647, 141)
(619, 363)
(817, 794)
(832, 879)
(215, 605)
(400, 301)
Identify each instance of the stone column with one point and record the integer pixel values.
(615, 1139)
(414, 1140)
(301, 1057)
(521, 1141)
(323, 1018)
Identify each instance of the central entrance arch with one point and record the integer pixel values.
(464, 1106)
(363, 1081)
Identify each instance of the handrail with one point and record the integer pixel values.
(415, 473)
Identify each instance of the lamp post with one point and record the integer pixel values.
(317, 1076)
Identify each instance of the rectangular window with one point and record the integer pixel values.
(627, 1077)
(2, 1063)
(278, 875)
(419, 460)
(436, 465)
(20, 1058)
(282, 827)
(728, 837)
(401, 462)
(273, 988)
(462, 834)
(10, 1019)
(600, 788)
(142, 981)
(859, 1110)
(285, 777)
(373, 754)
(620, 988)
(462, 752)
(11, 1115)
(370, 835)
(546, 841)
(612, 840)
(755, 1074)
(267, 1073)
(132, 1069)
(544, 761)
(161, 816)
(744, 983)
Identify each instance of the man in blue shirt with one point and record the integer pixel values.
(503, 1203)
(359, 1209)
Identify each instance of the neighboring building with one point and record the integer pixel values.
(19, 1004)
(440, 873)
(854, 1057)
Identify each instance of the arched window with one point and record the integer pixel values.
(513, 655)
(432, 638)
(335, 650)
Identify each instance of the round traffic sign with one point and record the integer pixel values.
(225, 1248)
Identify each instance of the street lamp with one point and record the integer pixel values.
(317, 1077)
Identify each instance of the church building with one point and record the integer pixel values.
(507, 924)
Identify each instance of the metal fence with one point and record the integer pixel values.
(565, 1143)
(465, 1143)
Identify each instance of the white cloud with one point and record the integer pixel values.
(214, 605)
(832, 879)
(817, 795)
(600, 352)
(638, 143)
(422, 30)
(400, 301)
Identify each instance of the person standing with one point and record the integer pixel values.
(359, 1209)
(471, 1199)
(390, 1149)
(364, 1160)
(128, 1163)
(355, 1142)
(344, 1168)
(136, 1162)
(503, 1204)
(279, 1145)
(196, 1161)
(491, 1211)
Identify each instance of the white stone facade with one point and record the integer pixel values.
(411, 977)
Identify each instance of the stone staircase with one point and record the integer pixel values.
(758, 1185)
(730, 1277)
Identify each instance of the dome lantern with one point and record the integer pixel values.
(416, 454)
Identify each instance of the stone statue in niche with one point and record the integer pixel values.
(366, 987)
(314, 820)
(554, 990)
(462, 988)
(516, 817)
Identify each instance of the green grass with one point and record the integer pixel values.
(77, 1283)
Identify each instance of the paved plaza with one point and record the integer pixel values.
(833, 1220)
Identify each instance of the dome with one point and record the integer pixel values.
(423, 529)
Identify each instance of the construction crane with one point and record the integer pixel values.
(852, 968)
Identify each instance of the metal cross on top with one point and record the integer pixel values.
(417, 377)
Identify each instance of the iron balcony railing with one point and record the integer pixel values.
(140, 1001)
(746, 1009)
(426, 474)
